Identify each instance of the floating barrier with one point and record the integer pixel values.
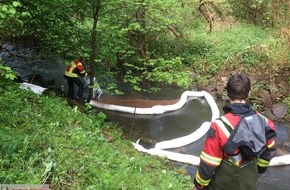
(159, 148)
(159, 109)
(33, 87)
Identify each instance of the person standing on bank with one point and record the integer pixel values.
(239, 145)
(73, 73)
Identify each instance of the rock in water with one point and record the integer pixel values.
(280, 110)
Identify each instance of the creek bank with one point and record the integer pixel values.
(267, 93)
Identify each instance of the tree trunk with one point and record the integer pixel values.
(141, 35)
(205, 8)
(96, 12)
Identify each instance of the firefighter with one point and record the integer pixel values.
(73, 74)
(238, 146)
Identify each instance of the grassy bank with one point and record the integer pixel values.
(44, 140)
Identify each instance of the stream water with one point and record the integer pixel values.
(187, 120)
(160, 127)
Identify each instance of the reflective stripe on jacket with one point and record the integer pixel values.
(74, 69)
(213, 155)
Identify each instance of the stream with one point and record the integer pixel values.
(160, 127)
(185, 121)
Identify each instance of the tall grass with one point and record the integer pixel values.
(243, 45)
(44, 140)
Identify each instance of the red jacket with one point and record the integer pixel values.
(212, 153)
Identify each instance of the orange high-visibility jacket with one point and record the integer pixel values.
(74, 69)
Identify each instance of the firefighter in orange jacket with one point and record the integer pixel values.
(238, 146)
(73, 73)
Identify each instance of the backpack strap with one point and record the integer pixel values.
(227, 128)
(227, 124)
(224, 125)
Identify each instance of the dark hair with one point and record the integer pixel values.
(238, 87)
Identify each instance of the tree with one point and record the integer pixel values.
(96, 7)
(253, 11)
(11, 18)
(114, 32)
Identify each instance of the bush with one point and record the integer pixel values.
(7, 72)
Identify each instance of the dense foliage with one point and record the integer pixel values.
(171, 42)
(44, 140)
(175, 42)
(136, 38)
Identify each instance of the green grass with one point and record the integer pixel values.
(244, 44)
(44, 140)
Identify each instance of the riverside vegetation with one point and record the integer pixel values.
(186, 43)
(190, 44)
(45, 140)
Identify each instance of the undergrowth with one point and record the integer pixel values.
(44, 140)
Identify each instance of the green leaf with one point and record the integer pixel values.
(16, 4)
(2, 15)
(4, 8)
(12, 10)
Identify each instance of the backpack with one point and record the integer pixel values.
(249, 136)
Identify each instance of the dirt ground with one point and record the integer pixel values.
(269, 88)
